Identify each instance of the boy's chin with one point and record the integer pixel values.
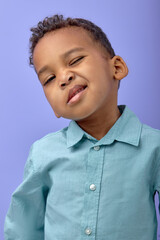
(57, 115)
(71, 117)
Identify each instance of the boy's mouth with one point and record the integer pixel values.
(75, 90)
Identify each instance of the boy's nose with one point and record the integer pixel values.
(66, 78)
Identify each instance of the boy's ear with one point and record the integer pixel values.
(58, 116)
(120, 69)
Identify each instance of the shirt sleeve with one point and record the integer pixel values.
(25, 217)
(157, 177)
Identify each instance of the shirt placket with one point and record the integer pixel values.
(94, 170)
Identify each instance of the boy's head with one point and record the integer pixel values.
(71, 55)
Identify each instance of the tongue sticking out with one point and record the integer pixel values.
(76, 91)
(79, 90)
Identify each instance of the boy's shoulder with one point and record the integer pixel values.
(151, 136)
(53, 138)
(150, 131)
(47, 148)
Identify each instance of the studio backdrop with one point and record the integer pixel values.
(25, 115)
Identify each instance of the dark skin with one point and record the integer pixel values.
(96, 110)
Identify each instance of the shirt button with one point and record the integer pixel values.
(96, 148)
(92, 187)
(88, 231)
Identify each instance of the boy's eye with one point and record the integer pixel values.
(78, 59)
(50, 79)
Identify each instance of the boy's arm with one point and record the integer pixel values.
(25, 217)
(157, 177)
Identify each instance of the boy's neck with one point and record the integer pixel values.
(100, 125)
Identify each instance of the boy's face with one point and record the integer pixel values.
(89, 68)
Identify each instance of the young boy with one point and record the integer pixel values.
(95, 179)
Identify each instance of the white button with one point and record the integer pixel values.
(88, 231)
(96, 148)
(92, 187)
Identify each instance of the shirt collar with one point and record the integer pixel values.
(126, 129)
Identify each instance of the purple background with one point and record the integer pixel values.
(134, 31)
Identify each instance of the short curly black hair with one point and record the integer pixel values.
(58, 21)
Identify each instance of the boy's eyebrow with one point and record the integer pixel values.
(64, 55)
(43, 69)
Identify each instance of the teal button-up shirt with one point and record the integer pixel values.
(76, 187)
